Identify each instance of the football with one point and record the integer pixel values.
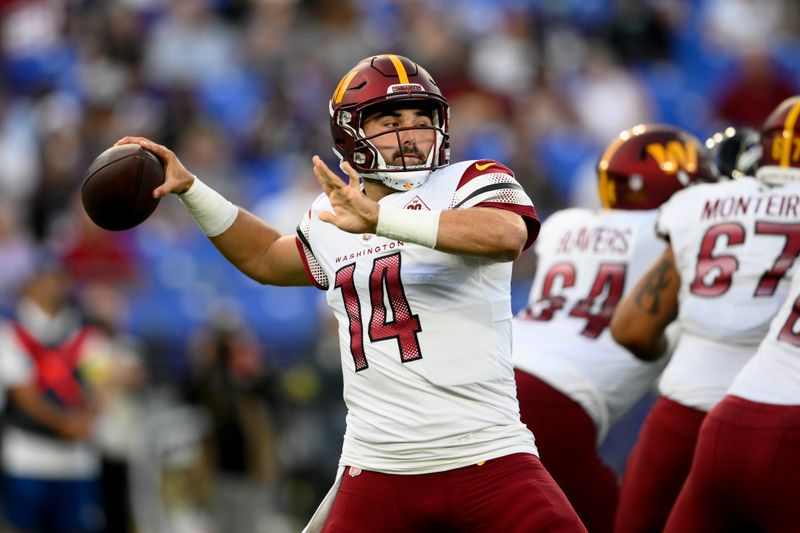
(117, 190)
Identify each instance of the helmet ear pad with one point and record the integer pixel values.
(394, 81)
(645, 165)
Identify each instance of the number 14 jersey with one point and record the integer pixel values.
(425, 336)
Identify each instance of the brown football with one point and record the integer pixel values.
(117, 191)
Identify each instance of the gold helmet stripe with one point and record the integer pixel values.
(398, 65)
(788, 134)
(606, 187)
(338, 94)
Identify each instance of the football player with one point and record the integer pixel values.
(573, 381)
(744, 474)
(414, 253)
(732, 247)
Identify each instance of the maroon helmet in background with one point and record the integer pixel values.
(780, 144)
(648, 163)
(382, 81)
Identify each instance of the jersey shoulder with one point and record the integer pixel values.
(488, 183)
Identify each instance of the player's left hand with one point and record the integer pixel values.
(353, 211)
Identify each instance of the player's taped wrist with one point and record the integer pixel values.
(407, 225)
(213, 213)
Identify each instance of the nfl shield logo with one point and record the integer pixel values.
(417, 204)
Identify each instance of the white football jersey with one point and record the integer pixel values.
(735, 246)
(587, 261)
(772, 375)
(425, 336)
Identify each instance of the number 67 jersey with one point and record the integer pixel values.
(425, 336)
(735, 245)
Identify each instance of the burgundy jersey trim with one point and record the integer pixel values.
(306, 267)
(480, 167)
(313, 269)
(528, 214)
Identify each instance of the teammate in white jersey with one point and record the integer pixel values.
(573, 381)
(415, 256)
(744, 474)
(732, 247)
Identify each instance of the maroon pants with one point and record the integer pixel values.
(509, 494)
(657, 467)
(565, 436)
(746, 471)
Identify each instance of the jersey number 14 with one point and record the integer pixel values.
(384, 285)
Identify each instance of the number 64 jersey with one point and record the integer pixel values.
(735, 245)
(587, 261)
(425, 336)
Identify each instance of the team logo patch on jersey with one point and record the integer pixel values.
(417, 204)
(354, 471)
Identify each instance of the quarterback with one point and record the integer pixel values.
(414, 254)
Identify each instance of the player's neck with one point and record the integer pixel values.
(375, 190)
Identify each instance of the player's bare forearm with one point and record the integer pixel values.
(642, 316)
(260, 252)
(482, 231)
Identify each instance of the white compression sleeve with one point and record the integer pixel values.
(419, 227)
(213, 213)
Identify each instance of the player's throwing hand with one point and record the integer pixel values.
(177, 179)
(353, 211)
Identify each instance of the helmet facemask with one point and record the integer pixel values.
(366, 158)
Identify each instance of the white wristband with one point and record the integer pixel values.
(213, 213)
(407, 225)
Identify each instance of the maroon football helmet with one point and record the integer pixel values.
(780, 144)
(386, 80)
(648, 163)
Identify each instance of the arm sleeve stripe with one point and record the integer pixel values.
(303, 239)
(313, 269)
(302, 251)
(489, 188)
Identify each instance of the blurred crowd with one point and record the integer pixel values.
(237, 390)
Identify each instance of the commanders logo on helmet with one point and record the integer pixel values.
(648, 163)
(780, 144)
(386, 80)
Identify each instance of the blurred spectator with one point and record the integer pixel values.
(757, 87)
(51, 364)
(738, 26)
(607, 98)
(639, 32)
(19, 159)
(188, 43)
(91, 254)
(120, 414)
(62, 163)
(231, 382)
(17, 254)
(506, 60)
